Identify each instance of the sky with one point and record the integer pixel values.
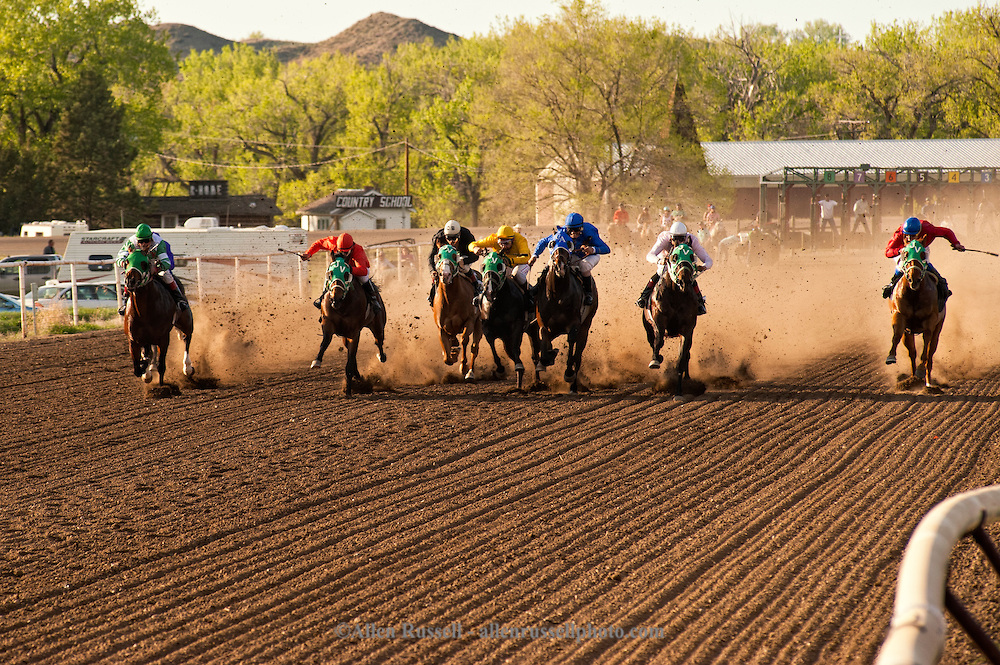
(316, 20)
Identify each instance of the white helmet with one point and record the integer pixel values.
(452, 228)
(678, 229)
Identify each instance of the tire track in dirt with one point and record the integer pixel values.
(705, 518)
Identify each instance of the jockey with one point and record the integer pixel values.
(666, 241)
(344, 246)
(162, 259)
(513, 247)
(925, 232)
(588, 247)
(459, 237)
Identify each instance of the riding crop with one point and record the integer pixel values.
(982, 251)
(289, 251)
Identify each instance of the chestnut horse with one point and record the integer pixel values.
(149, 318)
(673, 311)
(345, 312)
(560, 311)
(914, 308)
(454, 311)
(502, 309)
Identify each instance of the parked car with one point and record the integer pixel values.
(37, 275)
(60, 294)
(10, 304)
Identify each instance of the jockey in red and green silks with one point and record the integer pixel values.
(158, 251)
(925, 233)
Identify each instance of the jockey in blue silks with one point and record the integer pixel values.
(587, 249)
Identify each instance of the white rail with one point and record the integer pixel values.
(917, 629)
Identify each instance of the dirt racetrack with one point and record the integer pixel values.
(258, 516)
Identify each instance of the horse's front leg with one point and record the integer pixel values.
(477, 335)
(682, 364)
(351, 368)
(163, 358)
(138, 361)
(448, 344)
(897, 334)
(512, 346)
(149, 352)
(911, 347)
(572, 359)
(327, 336)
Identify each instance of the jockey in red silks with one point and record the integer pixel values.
(925, 232)
(344, 246)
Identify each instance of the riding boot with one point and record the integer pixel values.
(121, 310)
(319, 301)
(430, 298)
(372, 294)
(942, 290)
(647, 291)
(529, 297)
(701, 300)
(887, 290)
(179, 298)
(588, 289)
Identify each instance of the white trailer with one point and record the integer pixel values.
(207, 257)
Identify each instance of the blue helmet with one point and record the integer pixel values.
(911, 226)
(574, 220)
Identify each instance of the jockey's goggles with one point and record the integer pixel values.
(575, 232)
(505, 241)
(451, 238)
(144, 241)
(679, 238)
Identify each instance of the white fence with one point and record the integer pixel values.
(917, 630)
(235, 275)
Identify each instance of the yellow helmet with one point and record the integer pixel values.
(505, 232)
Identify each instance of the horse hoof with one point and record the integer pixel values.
(518, 367)
(381, 357)
(654, 364)
(539, 368)
(569, 377)
(891, 360)
(315, 364)
(469, 376)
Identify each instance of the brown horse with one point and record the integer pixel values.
(149, 318)
(914, 308)
(345, 312)
(559, 311)
(455, 313)
(673, 311)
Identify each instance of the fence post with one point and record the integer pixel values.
(76, 302)
(197, 267)
(20, 288)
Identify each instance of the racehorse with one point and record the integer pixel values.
(501, 309)
(150, 316)
(673, 311)
(914, 308)
(454, 311)
(345, 312)
(560, 311)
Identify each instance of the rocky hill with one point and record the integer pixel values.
(367, 39)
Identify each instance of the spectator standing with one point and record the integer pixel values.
(826, 207)
(861, 211)
(50, 248)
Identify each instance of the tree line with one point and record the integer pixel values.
(581, 105)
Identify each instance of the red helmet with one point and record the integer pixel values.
(345, 242)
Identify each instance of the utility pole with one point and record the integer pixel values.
(406, 172)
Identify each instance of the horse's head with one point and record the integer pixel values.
(447, 263)
(560, 249)
(914, 262)
(681, 266)
(138, 271)
(494, 275)
(338, 279)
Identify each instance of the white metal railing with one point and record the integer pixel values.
(240, 263)
(917, 630)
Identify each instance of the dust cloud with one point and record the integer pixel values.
(763, 322)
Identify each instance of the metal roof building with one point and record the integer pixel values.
(782, 181)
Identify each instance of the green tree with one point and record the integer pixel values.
(92, 154)
(585, 100)
(46, 46)
(969, 43)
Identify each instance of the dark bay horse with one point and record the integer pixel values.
(502, 310)
(673, 311)
(914, 308)
(149, 318)
(345, 312)
(560, 311)
(455, 313)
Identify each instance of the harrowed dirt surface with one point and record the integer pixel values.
(256, 515)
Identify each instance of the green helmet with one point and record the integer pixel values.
(143, 232)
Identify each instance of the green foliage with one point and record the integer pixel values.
(47, 49)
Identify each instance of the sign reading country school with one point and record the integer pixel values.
(372, 201)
